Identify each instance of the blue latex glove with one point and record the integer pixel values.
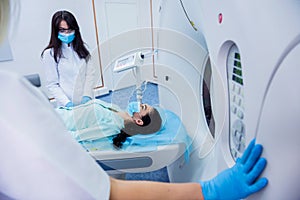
(85, 99)
(239, 181)
(69, 105)
(133, 107)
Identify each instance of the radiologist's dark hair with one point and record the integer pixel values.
(55, 43)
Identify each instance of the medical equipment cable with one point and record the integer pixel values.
(98, 46)
(152, 40)
(138, 78)
(141, 86)
(187, 16)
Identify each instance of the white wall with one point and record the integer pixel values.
(120, 23)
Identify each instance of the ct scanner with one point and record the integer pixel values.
(229, 70)
(254, 46)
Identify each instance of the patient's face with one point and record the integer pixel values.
(135, 124)
(145, 109)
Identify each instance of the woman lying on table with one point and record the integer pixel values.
(97, 119)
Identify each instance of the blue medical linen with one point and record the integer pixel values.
(172, 132)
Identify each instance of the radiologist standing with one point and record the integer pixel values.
(70, 76)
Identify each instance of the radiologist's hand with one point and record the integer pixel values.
(69, 105)
(85, 99)
(239, 181)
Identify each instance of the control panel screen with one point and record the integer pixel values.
(236, 94)
(125, 63)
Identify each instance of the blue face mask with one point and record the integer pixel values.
(66, 38)
(133, 107)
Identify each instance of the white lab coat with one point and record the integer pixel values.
(39, 158)
(70, 78)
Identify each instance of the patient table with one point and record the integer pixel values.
(143, 153)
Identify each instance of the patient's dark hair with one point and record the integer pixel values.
(132, 129)
(119, 139)
(146, 120)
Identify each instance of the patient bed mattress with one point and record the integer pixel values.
(141, 153)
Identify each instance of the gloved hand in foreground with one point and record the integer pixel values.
(85, 99)
(69, 105)
(239, 181)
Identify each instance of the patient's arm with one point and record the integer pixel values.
(140, 190)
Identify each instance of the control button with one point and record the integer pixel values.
(242, 93)
(234, 109)
(242, 147)
(239, 101)
(234, 98)
(238, 90)
(239, 147)
(232, 86)
(235, 133)
(235, 138)
(238, 125)
(234, 153)
(240, 114)
(240, 138)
